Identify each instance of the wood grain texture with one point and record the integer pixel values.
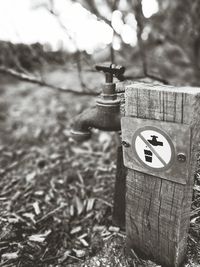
(158, 210)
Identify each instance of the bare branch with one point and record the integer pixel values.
(159, 79)
(112, 51)
(112, 4)
(140, 27)
(31, 79)
(34, 80)
(153, 77)
(91, 6)
(66, 31)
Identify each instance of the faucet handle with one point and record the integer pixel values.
(111, 70)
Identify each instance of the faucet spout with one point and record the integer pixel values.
(104, 116)
(81, 128)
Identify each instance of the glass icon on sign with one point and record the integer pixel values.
(148, 155)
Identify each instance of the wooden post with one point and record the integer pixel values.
(158, 201)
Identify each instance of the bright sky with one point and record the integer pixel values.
(19, 22)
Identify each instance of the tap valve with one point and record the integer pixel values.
(110, 71)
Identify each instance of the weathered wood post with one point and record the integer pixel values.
(161, 137)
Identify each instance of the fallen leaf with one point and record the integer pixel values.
(99, 228)
(39, 193)
(193, 221)
(80, 177)
(76, 230)
(78, 150)
(105, 233)
(79, 253)
(30, 176)
(65, 256)
(39, 237)
(71, 210)
(197, 188)
(79, 205)
(82, 236)
(114, 229)
(90, 204)
(84, 242)
(9, 256)
(36, 208)
(29, 215)
(55, 156)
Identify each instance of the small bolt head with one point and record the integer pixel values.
(125, 144)
(181, 157)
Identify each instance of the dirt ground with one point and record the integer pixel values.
(56, 196)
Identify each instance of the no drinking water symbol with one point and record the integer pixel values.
(153, 147)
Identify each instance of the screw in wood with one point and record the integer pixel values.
(181, 157)
(125, 144)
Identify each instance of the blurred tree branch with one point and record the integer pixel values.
(78, 53)
(31, 79)
(93, 8)
(34, 80)
(113, 7)
(137, 7)
(141, 20)
(166, 31)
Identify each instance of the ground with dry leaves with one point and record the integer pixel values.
(56, 196)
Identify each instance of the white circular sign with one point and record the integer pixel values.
(153, 148)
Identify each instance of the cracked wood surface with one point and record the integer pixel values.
(158, 210)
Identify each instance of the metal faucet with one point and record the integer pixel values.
(106, 114)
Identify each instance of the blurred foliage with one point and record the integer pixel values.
(167, 47)
(29, 57)
(170, 38)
